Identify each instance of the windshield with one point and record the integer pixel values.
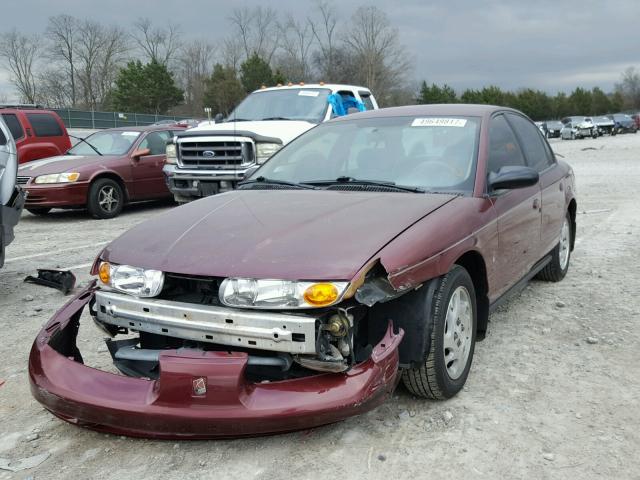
(110, 142)
(305, 104)
(432, 153)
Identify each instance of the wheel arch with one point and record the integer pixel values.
(113, 176)
(473, 262)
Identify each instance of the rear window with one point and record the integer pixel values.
(14, 125)
(44, 125)
(366, 99)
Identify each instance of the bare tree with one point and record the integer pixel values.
(296, 41)
(232, 53)
(629, 88)
(195, 68)
(20, 53)
(258, 31)
(54, 89)
(374, 42)
(100, 53)
(62, 34)
(324, 31)
(156, 43)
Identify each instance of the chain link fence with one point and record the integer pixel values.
(98, 120)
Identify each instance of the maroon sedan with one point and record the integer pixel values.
(370, 250)
(101, 172)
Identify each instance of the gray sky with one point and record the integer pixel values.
(547, 44)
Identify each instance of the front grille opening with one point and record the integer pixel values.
(215, 154)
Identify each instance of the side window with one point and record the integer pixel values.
(366, 99)
(3, 139)
(156, 142)
(44, 125)
(532, 142)
(13, 123)
(504, 150)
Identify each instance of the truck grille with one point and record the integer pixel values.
(22, 180)
(207, 155)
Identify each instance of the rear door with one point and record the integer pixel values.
(539, 157)
(518, 210)
(148, 177)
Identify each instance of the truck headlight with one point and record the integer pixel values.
(135, 281)
(252, 293)
(66, 177)
(265, 150)
(171, 153)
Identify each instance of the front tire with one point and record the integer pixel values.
(453, 336)
(557, 268)
(106, 198)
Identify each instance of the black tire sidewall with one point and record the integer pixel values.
(458, 276)
(93, 204)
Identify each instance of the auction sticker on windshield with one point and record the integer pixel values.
(130, 134)
(439, 122)
(308, 93)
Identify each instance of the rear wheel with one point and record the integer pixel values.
(557, 268)
(453, 336)
(106, 198)
(38, 211)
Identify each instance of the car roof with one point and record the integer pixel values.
(146, 128)
(329, 86)
(461, 109)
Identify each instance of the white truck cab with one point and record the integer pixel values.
(213, 157)
(11, 197)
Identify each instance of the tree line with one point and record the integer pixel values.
(148, 68)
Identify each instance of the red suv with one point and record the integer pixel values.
(38, 133)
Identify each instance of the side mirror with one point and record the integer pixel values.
(218, 118)
(140, 152)
(509, 178)
(250, 171)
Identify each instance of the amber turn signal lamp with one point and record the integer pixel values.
(321, 294)
(104, 272)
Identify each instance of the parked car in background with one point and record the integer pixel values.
(11, 197)
(624, 123)
(552, 128)
(604, 124)
(38, 133)
(101, 172)
(213, 157)
(578, 127)
(368, 250)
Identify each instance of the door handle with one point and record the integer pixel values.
(536, 204)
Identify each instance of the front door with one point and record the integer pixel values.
(518, 210)
(148, 178)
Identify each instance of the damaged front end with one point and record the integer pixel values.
(194, 368)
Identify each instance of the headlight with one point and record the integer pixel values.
(67, 177)
(171, 153)
(251, 293)
(265, 150)
(132, 280)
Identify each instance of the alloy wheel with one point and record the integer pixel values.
(457, 332)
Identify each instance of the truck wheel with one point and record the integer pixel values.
(557, 268)
(38, 211)
(453, 337)
(106, 198)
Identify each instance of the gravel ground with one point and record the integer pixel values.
(553, 392)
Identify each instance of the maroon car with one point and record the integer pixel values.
(101, 172)
(371, 249)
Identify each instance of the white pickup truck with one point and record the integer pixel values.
(213, 157)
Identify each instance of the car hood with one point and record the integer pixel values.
(62, 163)
(290, 235)
(285, 130)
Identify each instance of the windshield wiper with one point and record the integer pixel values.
(273, 181)
(355, 181)
(83, 140)
(277, 118)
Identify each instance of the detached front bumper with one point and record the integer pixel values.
(198, 394)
